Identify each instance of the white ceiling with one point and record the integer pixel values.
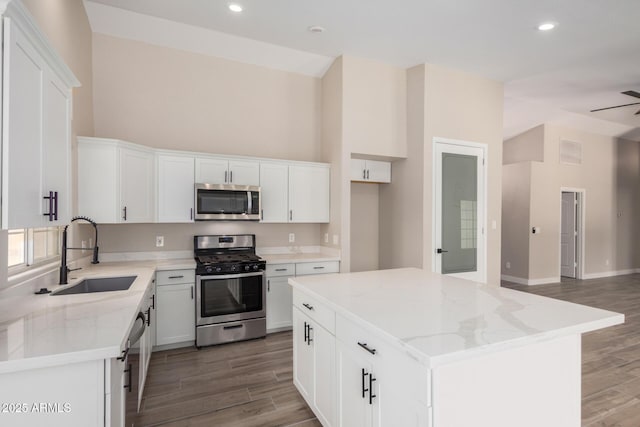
(558, 76)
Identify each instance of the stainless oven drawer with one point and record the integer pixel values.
(231, 331)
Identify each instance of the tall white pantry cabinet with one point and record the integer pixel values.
(36, 125)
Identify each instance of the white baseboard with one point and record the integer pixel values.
(611, 273)
(530, 282)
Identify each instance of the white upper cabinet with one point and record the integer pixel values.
(211, 170)
(36, 121)
(308, 193)
(175, 188)
(274, 191)
(116, 181)
(137, 185)
(370, 171)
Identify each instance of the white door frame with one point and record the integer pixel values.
(482, 210)
(580, 218)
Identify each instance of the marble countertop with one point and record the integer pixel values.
(43, 330)
(441, 319)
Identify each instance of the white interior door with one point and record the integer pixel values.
(459, 210)
(568, 234)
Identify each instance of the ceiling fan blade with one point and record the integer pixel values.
(617, 106)
(632, 93)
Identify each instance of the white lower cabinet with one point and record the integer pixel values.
(279, 295)
(176, 307)
(314, 366)
(350, 376)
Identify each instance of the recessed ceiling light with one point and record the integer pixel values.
(235, 8)
(316, 29)
(546, 26)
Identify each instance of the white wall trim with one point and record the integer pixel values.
(125, 24)
(611, 273)
(530, 282)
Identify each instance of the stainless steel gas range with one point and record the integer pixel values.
(230, 289)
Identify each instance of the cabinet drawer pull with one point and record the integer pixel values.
(192, 292)
(371, 395)
(231, 176)
(124, 355)
(128, 385)
(232, 327)
(291, 215)
(318, 268)
(225, 177)
(268, 285)
(153, 301)
(149, 316)
(191, 213)
(366, 347)
(364, 174)
(309, 339)
(307, 306)
(124, 213)
(364, 388)
(367, 173)
(305, 332)
(53, 205)
(281, 269)
(176, 277)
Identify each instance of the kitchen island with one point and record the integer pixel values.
(414, 348)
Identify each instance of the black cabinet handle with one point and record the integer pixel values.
(124, 213)
(129, 385)
(149, 316)
(364, 174)
(309, 339)
(281, 269)
(307, 306)
(262, 214)
(192, 292)
(268, 285)
(366, 347)
(367, 173)
(318, 268)
(191, 213)
(371, 395)
(440, 251)
(153, 301)
(225, 176)
(176, 277)
(124, 355)
(305, 332)
(231, 176)
(290, 215)
(53, 205)
(364, 388)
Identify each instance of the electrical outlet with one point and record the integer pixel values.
(494, 224)
(508, 265)
(159, 241)
(326, 237)
(336, 239)
(292, 237)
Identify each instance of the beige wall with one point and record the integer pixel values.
(610, 176)
(465, 107)
(172, 99)
(334, 152)
(528, 146)
(516, 199)
(401, 207)
(364, 226)
(375, 107)
(179, 237)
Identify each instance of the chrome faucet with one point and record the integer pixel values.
(64, 270)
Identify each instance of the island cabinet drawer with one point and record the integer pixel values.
(322, 314)
(174, 277)
(275, 270)
(323, 267)
(389, 362)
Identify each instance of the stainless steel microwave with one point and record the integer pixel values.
(227, 202)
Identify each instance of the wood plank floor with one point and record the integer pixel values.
(250, 383)
(610, 357)
(241, 384)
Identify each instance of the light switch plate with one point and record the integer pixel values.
(336, 239)
(159, 241)
(292, 237)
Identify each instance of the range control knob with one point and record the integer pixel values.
(208, 269)
(255, 267)
(247, 267)
(218, 269)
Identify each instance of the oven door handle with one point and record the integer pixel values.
(231, 276)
